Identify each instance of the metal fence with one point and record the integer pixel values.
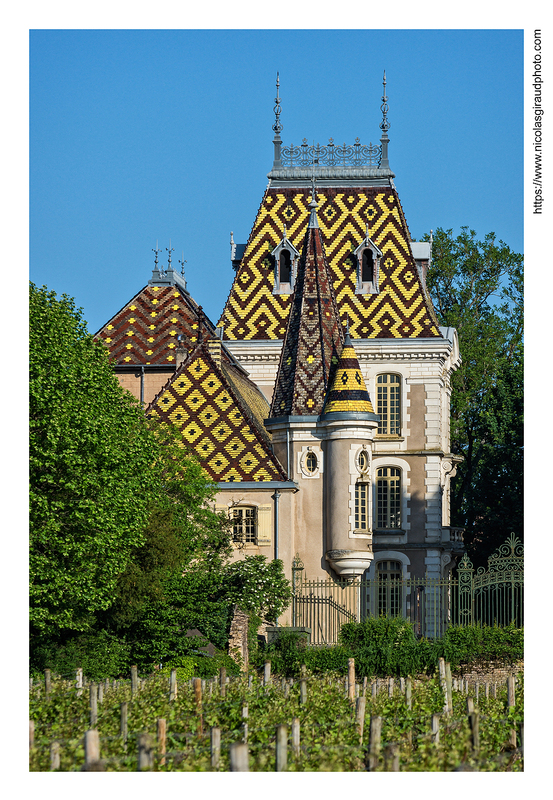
(488, 596)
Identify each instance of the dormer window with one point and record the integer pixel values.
(368, 257)
(285, 259)
(285, 267)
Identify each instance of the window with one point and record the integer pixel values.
(284, 258)
(367, 259)
(388, 497)
(367, 266)
(388, 388)
(285, 267)
(389, 588)
(244, 529)
(311, 463)
(363, 461)
(361, 506)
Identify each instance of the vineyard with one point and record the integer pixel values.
(263, 723)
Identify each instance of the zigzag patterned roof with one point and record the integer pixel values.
(401, 309)
(145, 331)
(219, 413)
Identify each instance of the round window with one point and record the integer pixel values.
(363, 461)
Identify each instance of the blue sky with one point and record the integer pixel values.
(138, 136)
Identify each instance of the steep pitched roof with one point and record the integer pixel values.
(219, 413)
(145, 330)
(313, 336)
(348, 391)
(401, 309)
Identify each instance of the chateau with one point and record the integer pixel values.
(319, 402)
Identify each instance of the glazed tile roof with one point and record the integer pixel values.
(401, 309)
(145, 330)
(348, 391)
(314, 334)
(219, 413)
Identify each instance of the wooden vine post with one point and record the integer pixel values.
(223, 682)
(198, 701)
(91, 748)
(173, 685)
(446, 686)
(374, 743)
(360, 716)
(123, 725)
(296, 737)
(391, 758)
(239, 757)
(93, 703)
(351, 679)
(54, 756)
(79, 681)
(161, 740)
(47, 683)
(215, 736)
(281, 761)
(145, 753)
(134, 681)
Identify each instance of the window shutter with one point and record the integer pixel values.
(264, 525)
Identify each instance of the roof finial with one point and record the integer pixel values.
(169, 250)
(277, 127)
(384, 126)
(182, 262)
(156, 251)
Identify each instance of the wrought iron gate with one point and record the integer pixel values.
(492, 596)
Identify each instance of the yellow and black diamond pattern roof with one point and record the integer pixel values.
(401, 309)
(219, 413)
(145, 331)
(348, 391)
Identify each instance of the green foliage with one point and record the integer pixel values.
(100, 654)
(89, 452)
(477, 288)
(328, 731)
(258, 586)
(464, 644)
(387, 646)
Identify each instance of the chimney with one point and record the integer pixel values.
(180, 351)
(214, 348)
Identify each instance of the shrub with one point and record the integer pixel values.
(100, 654)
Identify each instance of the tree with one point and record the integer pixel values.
(90, 451)
(477, 288)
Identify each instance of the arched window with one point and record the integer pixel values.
(367, 266)
(285, 267)
(389, 588)
(388, 497)
(388, 393)
(361, 506)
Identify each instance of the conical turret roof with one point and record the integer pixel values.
(314, 334)
(348, 392)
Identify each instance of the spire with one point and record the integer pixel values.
(384, 126)
(277, 127)
(313, 205)
(156, 274)
(348, 392)
(313, 337)
(169, 251)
